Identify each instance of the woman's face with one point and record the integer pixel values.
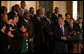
(5, 18)
(80, 21)
(27, 16)
(71, 21)
(15, 19)
(23, 29)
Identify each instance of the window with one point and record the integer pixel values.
(75, 10)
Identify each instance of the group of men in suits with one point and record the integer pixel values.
(22, 31)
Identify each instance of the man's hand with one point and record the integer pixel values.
(31, 40)
(8, 46)
(68, 36)
(63, 38)
(12, 29)
(50, 33)
(10, 35)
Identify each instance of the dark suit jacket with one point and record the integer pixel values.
(4, 42)
(59, 43)
(74, 38)
(39, 37)
(75, 27)
(79, 27)
(32, 17)
(13, 13)
(66, 23)
(54, 18)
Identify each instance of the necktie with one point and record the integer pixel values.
(62, 29)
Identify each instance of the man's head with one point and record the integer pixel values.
(38, 12)
(23, 27)
(56, 10)
(4, 10)
(14, 18)
(80, 20)
(13, 8)
(42, 11)
(71, 21)
(26, 15)
(3, 27)
(5, 18)
(17, 8)
(67, 15)
(60, 21)
(48, 14)
(31, 10)
(23, 4)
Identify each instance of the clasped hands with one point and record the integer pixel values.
(63, 38)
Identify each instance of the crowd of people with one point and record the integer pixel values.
(22, 31)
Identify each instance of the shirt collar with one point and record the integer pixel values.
(25, 20)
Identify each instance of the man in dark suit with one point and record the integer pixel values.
(80, 30)
(60, 37)
(56, 15)
(67, 15)
(15, 11)
(32, 15)
(49, 33)
(39, 38)
(22, 9)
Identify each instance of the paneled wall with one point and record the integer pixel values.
(80, 9)
(62, 7)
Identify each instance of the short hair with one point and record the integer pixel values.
(23, 24)
(12, 16)
(22, 2)
(80, 18)
(16, 5)
(56, 8)
(67, 14)
(72, 19)
(3, 9)
(26, 13)
(37, 11)
(61, 18)
(13, 8)
(42, 8)
(31, 8)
